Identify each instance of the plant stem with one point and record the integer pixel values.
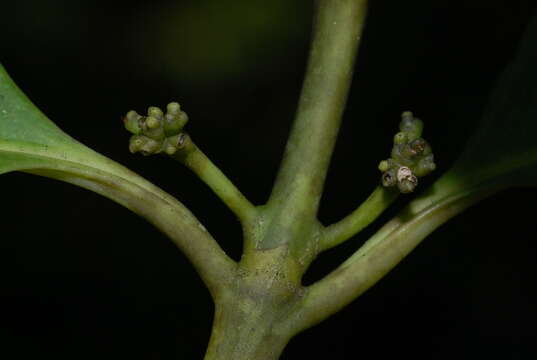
(366, 213)
(211, 175)
(336, 34)
(251, 316)
(96, 173)
(384, 250)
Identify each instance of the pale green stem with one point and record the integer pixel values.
(123, 186)
(211, 175)
(365, 214)
(336, 34)
(381, 253)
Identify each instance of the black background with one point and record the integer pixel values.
(81, 277)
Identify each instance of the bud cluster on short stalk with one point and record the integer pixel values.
(411, 156)
(158, 131)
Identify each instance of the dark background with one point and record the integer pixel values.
(83, 278)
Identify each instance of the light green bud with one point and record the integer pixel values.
(384, 165)
(173, 108)
(155, 112)
(152, 122)
(132, 122)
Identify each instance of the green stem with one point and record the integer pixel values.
(193, 158)
(103, 176)
(336, 34)
(382, 252)
(251, 313)
(365, 214)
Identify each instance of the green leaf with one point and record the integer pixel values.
(503, 151)
(30, 141)
(505, 144)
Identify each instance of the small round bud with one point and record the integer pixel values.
(425, 166)
(173, 108)
(401, 155)
(132, 122)
(153, 129)
(407, 121)
(155, 112)
(143, 144)
(174, 123)
(136, 143)
(400, 138)
(384, 165)
(133, 115)
(411, 125)
(150, 147)
(152, 122)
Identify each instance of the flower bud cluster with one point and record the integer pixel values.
(157, 132)
(411, 156)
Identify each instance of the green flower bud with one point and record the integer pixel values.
(153, 128)
(152, 122)
(144, 145)
(425, 166)
(174, 122)
(136, 143)
(150, 147)
(401, 155)
(155, 112)
(400, 138)
(173, 108)
(132, 122)
(384, 165)
(411, 125)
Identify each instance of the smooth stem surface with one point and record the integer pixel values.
(381, 253)
(366, 213)
(105, 177)
(211, 175)
(336, 35)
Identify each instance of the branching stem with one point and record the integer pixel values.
(366, 213)
(105, 177)
(383, 251)
(193, 158)
(336, 34)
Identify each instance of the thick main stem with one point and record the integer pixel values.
(251, 314)
(241, 335)
(336, 34)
